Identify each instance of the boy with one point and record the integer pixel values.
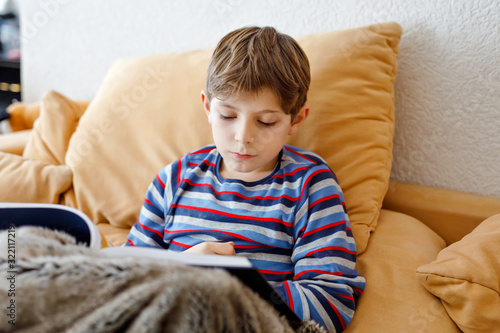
(250, 194)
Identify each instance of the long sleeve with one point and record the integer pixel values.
(325, 282)
(149, 229)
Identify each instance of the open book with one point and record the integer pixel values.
(79, 225)
(55, 217)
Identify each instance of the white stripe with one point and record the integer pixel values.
(320, 242)
(233, 227)
(334, 285)
(325, 212)
(341, 307)
(275, 283)
(238, 205)
(303, 300)
(154, 192)
(289, 157)
(267, 257)
(324, 184)
(327, 278)
(319, 308)
(285, 162)
(144, 238)
(302, 211)
(264, 187)
(308, 262)
(205, 238)
(168, 184)
(151, 217)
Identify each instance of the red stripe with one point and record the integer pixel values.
(264, 271)
(252, 218)
(338, 314)
(317, 271)
(297, 153)
(331, 248)
(153, 230)
(159, 180)
(148, 202)
(220, 231)
(331, 225)
(238, 194)
(131, 243)
(289, 293)
(346, 297)
(290, 173)
(179, 172)
(360, 291)
(323, 199)
(192, 164)
(209, 164)
(180, 244)
(309, 179)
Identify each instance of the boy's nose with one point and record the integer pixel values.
(244, 134)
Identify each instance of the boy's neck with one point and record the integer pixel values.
(248, 177)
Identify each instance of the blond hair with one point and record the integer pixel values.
(252, 58)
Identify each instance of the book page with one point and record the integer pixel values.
(186, 258)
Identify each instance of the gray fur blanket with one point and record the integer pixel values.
(56, 285)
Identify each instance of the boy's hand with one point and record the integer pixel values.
(225, 249)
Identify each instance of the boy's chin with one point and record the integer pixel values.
(247, 174)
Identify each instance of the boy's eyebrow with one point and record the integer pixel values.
(229, 106)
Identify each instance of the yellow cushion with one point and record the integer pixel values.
(115, 236)
(24, 180)
(148, 113)
(351, 123)
(393, 300)
(466, 277)
(53, 129)
(22, 115)
(14, 142)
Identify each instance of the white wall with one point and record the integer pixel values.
(447, 91)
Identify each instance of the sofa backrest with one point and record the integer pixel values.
(147, 113)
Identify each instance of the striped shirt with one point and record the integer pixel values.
(292, 225)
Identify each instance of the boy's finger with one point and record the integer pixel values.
(225, 249)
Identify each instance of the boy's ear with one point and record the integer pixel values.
(299, 119)
(206, 104)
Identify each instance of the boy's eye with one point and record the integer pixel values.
(223, 117)
(267, 124)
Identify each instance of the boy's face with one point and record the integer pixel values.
(249, 131)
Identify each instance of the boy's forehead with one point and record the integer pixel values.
(264, 96)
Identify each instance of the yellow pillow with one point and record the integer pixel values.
(54, 127)
(24, 180)
(148, 113)
(389, 264)
(22, 115)
(466, 277)
(14, 142)
(351, 122)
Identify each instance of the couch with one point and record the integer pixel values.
(429, 255)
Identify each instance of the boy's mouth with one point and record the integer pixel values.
(242, 157)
